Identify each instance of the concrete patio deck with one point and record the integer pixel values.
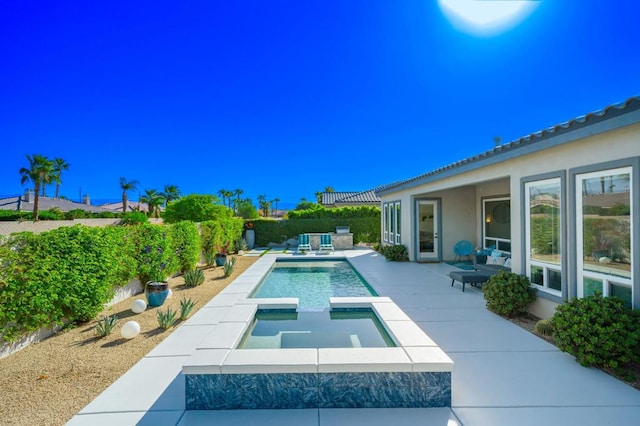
(503, 374)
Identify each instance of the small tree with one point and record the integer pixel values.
(196, 208)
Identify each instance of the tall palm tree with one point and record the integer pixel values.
(127, 186)
(59, 165)
(39, 173)
(276, 200)
(170, 193)
(236, 203)
(153, 198)
(223, 195)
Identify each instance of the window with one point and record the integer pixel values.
(543, 234)
(497, 223)
(391, 222)
(603, 233)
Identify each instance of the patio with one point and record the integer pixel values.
(503, 374)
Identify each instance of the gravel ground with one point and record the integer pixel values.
(47, 383)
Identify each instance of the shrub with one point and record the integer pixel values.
(153, 253)
(508, 293)
(598, 331)
(194, 277)
(196, 208)
(396, 253)
(544, 327)
(67, 273)
(221, 233)
(185, 244)
(77, 214)
(134, 218)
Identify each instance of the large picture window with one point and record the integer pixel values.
(497, 223)
(603, 225)
(543, 236)
(391, 222)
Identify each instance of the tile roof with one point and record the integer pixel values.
(611, 111)
(46, 203)
(362, 197)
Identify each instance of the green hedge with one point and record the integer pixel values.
(364, 229)
(70, 273)
(220, 235)
(55, 214)
(319, 212)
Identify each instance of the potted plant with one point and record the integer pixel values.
(249, 234)
(157, 288)
(221, 254)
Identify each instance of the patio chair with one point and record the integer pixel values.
(463, 248)
(304, 243)
(326, 243)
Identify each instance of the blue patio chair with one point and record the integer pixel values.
(463, 248)
(304, 243)
(325, 243)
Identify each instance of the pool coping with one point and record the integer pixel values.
(218, 354)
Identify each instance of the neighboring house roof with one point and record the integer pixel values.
(532, 142)
(131, 206)
(362, 197)
(46, 203)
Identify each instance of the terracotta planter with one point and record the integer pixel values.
(156, 292)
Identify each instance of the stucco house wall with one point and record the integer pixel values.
(462, 189)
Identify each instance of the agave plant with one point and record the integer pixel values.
(167, 318)
(106, 324)
(228, 267)
(186, 306)
(194, 278)
(210, 258)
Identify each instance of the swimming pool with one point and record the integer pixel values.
(279, 329)
(313, 283)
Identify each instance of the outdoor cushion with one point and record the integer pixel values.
(496, 260)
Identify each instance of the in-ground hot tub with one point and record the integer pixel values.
(414, 373)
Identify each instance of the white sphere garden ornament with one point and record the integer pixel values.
(130, 330)
(138, 306)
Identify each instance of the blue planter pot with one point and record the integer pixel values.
(156, 292)
(221, 259)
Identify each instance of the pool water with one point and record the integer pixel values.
(313, 283)
(329, 329)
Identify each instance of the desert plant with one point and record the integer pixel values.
(106, 324)
(396, 253)
(508, 293)
(194, 278)
(241, 245)
(210, 258)
(228, 267)
(598, 331)
(186, 306)
(167, 318)
(544, 327)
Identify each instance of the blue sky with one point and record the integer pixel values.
(283, 98)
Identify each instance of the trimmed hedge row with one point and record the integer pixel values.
(71, 272)
(56, 214)
(364, 229)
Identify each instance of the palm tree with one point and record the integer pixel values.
(126, 187)
(59, 165)
(264, 204)
(171, 192)
(225, 194)
(39, 172)
(276, 200)
(237, 193)
(153, 198)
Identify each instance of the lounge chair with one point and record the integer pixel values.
(325, 243)
(304, 243)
